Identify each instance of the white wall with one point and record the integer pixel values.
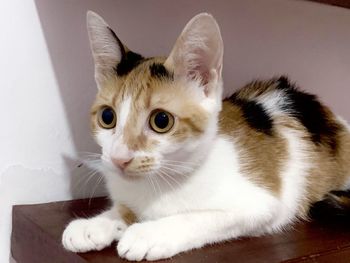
(34, 131)
(36, 141)
(47, 74)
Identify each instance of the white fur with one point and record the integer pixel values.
(95, 233)
(344, 122)
(124, 112)
(294, 178)
(112, 142)
(273, 102)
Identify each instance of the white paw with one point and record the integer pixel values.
(149, 241)
(83, 235)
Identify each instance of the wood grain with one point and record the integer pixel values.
(341, 3)
(37, 231)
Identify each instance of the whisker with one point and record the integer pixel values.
(180, 162)
(92, 174)
(83, 180)
(92, 167)
(90, 154)
(170, 177)
(99, 180)
(179, 166)
(95, 164)
(175, 171)
(166, 197)
(159, 188)
(151, 183)
(164, 178)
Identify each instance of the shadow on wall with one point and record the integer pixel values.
(64, 29)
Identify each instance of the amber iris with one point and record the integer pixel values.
(107, 118)
(161, 121)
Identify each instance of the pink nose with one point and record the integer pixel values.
(122, 163)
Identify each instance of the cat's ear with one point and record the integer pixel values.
(198, 52)
(107, 49)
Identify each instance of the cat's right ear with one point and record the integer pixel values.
(107, 49)
(198, 53)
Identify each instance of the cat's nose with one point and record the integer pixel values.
(122, 163)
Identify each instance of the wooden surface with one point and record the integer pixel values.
(37, 231)
(341, 3)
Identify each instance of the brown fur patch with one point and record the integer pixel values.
(127, 215)
(256, 89)
(262, 156)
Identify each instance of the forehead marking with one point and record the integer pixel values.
(159, 71)
(124, 111)
(130, 60)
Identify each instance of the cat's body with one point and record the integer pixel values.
(191, 169)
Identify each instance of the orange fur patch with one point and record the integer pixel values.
(257, 150)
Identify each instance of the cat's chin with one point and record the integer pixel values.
(130, 176)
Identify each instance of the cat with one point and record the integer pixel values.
(185, 168)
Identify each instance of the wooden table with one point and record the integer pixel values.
(37, 229)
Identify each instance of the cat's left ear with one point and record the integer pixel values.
(198, 52)
(110, 55)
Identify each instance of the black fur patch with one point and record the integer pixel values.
(334, 205)
(310, 112)
(129, 59)
(159, 71)
(255, 115)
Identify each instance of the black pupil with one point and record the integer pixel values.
(161, 120)
(108, 116)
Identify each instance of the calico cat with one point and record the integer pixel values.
(184, 168)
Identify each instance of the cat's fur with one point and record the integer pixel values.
(250, 165)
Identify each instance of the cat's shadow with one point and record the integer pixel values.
(85, 182)
(65, 34)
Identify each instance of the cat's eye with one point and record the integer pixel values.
(107, 118)
(161, 121)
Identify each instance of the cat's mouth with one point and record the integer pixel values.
(137, 172)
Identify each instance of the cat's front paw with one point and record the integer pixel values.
(149, 241)
(83, 235)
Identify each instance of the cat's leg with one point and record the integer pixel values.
(171, 235)
(94, 233)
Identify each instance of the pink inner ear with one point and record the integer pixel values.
(199, 72)
(204, 77)
(198, 67)
(197, 51)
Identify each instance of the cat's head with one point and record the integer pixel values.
(156, 116)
